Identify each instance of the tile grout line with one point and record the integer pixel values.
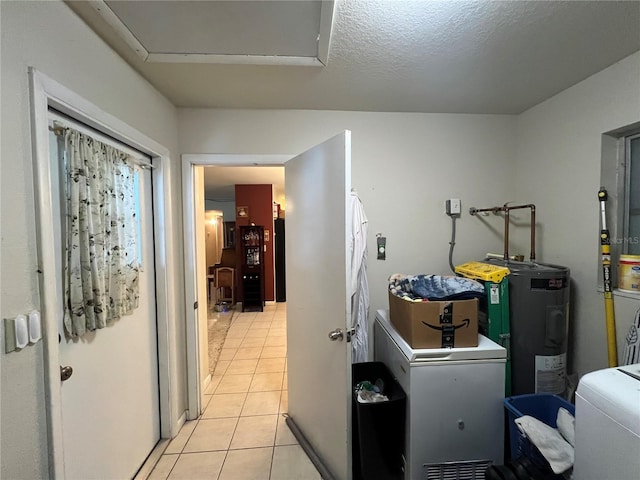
(278, 414)
(183, 447)
(239, 414)
(237, 419)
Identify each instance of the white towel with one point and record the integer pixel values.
(558, 452)
(566, 426)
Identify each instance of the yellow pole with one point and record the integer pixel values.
(610, 316)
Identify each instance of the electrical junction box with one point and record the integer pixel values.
(453, 206)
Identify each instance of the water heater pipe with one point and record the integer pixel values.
(506, 209)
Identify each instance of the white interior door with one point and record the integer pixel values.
(110, 404)
(318, 184)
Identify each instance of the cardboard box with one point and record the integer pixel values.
(435, 324)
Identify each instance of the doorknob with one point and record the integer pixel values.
(65, 372)
(336, 334)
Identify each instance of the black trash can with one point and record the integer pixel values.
(378, 428)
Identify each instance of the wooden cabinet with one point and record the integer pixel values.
(252, 266)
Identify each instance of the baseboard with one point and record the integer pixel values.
(178, 425)
(205, 383)
(155, 455)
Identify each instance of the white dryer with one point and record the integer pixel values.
(455, 412)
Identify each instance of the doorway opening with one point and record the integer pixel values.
(318, 194)
(215, 262)
(234, 199)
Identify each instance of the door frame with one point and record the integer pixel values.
(189, 161)
(44, 93)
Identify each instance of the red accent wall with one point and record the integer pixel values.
(259, 200)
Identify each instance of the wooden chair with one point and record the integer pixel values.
(211, 276)
(224, 285)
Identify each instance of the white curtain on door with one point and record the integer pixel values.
(359, 282)
(101, 258)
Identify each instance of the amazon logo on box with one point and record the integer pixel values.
(444, 324)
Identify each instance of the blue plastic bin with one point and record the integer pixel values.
(542, 406)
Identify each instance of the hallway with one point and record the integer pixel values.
(242, 434)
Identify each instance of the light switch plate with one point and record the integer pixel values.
(382, 247)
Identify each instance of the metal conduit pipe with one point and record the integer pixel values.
(474, 211)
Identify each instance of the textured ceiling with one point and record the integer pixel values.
(404, 56)
(431, 56)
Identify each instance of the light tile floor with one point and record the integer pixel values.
(242, 434)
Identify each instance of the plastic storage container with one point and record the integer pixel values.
(629, 273)
(542, 406)
(378, 428)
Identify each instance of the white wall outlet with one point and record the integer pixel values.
(453, 206)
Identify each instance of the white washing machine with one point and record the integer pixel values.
(608, 425)
(455, 412)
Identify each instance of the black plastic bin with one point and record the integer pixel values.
(378, 428)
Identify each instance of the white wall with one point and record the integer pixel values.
(49, 37)
(404, 167)
(558, 169)
(228, 209)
